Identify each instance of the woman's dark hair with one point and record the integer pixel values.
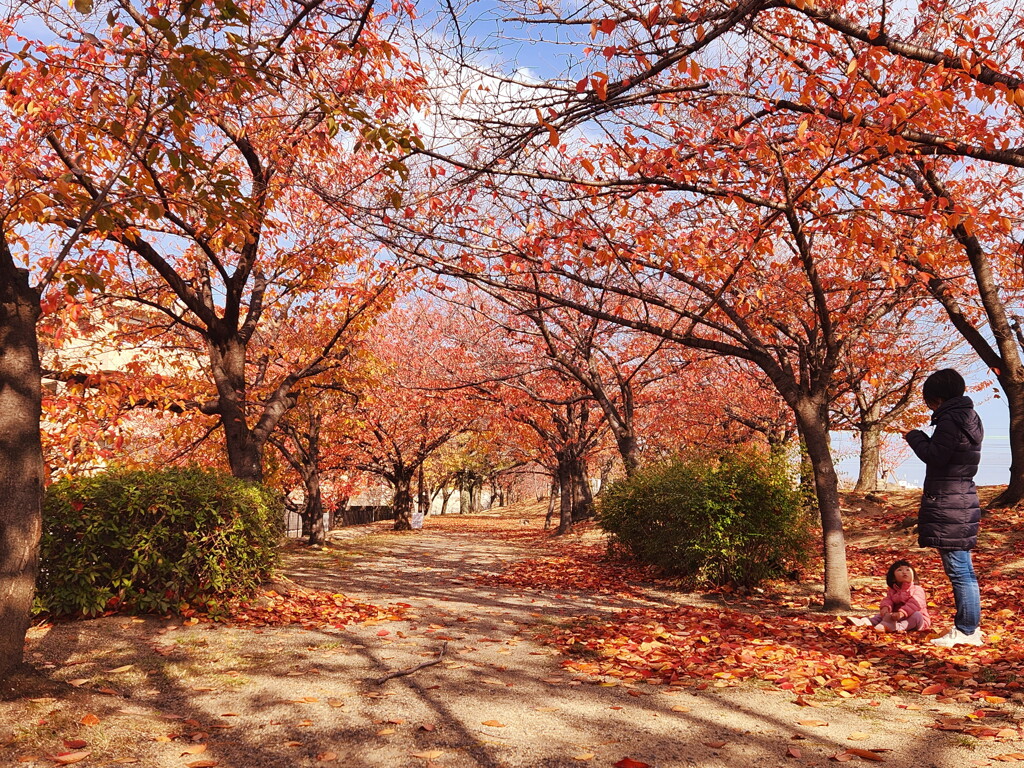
(944, 385)
(890, 576)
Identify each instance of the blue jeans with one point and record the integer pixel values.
(960, 570)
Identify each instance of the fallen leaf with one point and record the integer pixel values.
(931, 690)
(326, 757)
(198, 749)
(493, 724)
(794, 752)
(75, 743)
(335, 703)
(867, 754)
(293, 743)
(842, 757)
(426, 727)
(583, 757)
(628, 762)
(70, 757)
(89, 719)
(78, 681)
(385, 731)
(125, 668)
(203, 763)
(431, 755)
(812, 723)
(680, 708)
(715, 744)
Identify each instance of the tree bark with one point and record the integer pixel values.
(1014, 492)
(565, 496)
(870, 450)
(813, 425)
(446, 493)
(422, 493)
(402, 503)
(227, 362)
(552, 500)
(313, 514)
(21, 456)
(582, 497)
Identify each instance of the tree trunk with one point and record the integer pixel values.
(227, 362)
(21, 456)
(626, 443)
(870, 447)
(565, 497)
(332, 515)
(475, 492)
(446, 493)
(1014, 491)
(422, 493)
(552, 499)
(583, 498)
(465, 491)
(402, 503)
(313, 514)
(814, 430)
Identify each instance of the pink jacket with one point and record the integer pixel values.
(909, 598)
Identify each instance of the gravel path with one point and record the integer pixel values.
(208, 694)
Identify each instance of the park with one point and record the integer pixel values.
(507, 383)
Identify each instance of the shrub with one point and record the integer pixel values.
(154, 541)
(735, 518)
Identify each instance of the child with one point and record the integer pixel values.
(949, 513)
(904, 607)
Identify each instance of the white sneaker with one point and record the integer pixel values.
(956, 637)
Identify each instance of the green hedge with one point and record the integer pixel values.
(154, 541)
(734, 518)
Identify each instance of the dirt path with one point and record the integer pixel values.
(235, 697)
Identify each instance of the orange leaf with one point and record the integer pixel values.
(198, 749)
(493, 724)
(867, 754)
(326, 757)
(70, 757)
(431, 755)
(793, 752)
(75, 743)
(89, 719)
(628, 762)
(931, 690)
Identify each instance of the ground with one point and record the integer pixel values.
(536, 651)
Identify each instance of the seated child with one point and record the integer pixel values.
(904, 607)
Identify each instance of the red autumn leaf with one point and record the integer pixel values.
(628, 762)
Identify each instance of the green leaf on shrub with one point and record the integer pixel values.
(734, 518)
(151, 541)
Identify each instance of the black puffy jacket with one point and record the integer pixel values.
(950, 511)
